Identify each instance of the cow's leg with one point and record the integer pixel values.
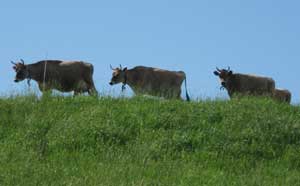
(92, 92)
(173, 94)
(46, 91)
(46, 94)
(77, 93)
(91, 89)
(178, 96)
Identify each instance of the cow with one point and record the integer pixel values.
(63, 76)
(151, 81)
(283, 95)
(244, 84)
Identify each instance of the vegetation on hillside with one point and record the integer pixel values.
(142, 141)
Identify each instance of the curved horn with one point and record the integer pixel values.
(228, 68)
(22, 61)
(121, 67)
(13, 63)
(111, 67)
(218, 69)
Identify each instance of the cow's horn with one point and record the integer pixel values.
(228, 68)
(121, 67)
(22, 61)
(13, 63)
(111, 67)
(218, 69)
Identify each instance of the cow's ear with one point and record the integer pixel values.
(14, 67)
(216, 73)
(125, 69)
(230, 73)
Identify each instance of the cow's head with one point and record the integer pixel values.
(21, 70)
(118, 76)
(224, 76)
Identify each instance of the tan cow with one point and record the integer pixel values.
(243, 84)
(55, 74)
(282, 95)
(151, 81)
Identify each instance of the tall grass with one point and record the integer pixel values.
(142, 141)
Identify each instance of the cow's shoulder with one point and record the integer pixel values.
(142, 68)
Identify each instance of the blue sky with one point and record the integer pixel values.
(256, 37)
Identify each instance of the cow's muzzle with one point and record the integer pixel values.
(223, 84)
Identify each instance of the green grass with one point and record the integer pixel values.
(142, 141)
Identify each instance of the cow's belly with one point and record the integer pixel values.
(80, 86)
(159, 91)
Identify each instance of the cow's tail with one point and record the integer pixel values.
(186, 91)
(92, 69)
(93, 90)
(289, 97)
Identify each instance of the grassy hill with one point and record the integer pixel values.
(140, 141)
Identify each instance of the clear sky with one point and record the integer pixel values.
(257, 37)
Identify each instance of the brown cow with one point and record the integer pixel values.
(244, 84)
(282, 95)
(55, 74)
(151, 81)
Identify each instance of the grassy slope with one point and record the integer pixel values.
(89, 141)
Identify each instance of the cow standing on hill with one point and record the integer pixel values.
(55, 74)
(151, 81)
(243, 84)
(283, 95)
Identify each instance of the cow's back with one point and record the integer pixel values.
(254, 83)
(74, 69)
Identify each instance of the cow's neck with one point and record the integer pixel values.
(36, 71)
(131, 80)
(125, 81)
(232, 85)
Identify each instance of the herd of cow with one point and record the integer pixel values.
(77, 76)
